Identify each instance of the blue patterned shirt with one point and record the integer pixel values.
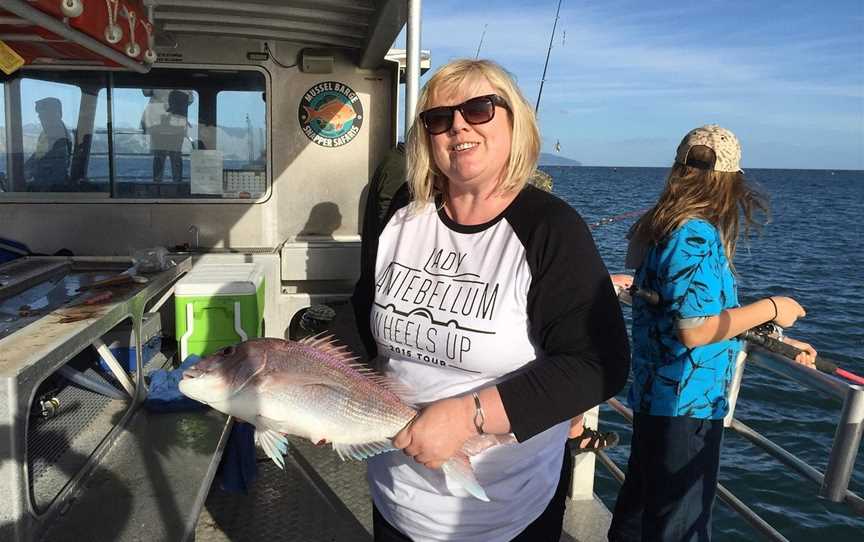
(690, 271)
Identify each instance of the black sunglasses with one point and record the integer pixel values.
(479, 110)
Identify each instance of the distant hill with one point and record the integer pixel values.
(233, 140)
(547, 159)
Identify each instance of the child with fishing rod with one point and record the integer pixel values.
(685, 339)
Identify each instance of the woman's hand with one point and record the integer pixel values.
(438, 432)
(808, 353)
(788, 311)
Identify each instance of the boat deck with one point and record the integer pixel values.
(319, 498)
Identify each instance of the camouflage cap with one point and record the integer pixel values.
(725, 145)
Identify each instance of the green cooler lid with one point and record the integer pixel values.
(221, 279)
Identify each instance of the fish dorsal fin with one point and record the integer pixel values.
(402, 390)
(363, 450)
(329, 345)
(274, 444)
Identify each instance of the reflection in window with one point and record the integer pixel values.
(165, 134)
(241, 142)
(152, 140)
(47, 142)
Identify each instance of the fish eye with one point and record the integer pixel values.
(227, 351)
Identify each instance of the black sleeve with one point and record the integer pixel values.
(364, 290)
(574, 318)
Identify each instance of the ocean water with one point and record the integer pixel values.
(813, 250)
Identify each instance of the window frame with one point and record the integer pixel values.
(106, 197)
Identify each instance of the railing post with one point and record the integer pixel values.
(845, 447)
(582, 481)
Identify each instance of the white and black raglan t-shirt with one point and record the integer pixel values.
(523, 302)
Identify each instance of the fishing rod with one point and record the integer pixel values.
(548, 52)
(759, 335)
(763, 339)
(480, 45)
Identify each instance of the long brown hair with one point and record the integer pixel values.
(695, 190)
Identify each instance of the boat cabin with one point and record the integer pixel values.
(198, 133)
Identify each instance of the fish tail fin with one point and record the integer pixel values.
(310, 113)
(458, 472)
(274, 444)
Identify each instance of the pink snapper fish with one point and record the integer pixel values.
(315, 389)
(333, 113)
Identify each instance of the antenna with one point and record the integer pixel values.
(479, 45)
(548, 52)
(250, 138)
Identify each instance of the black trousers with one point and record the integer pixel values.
(176, 158)
(546, 528)
(671, 481)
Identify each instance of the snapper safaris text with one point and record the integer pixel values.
(315, 389)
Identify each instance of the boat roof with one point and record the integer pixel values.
(45, 34)
(366, 26)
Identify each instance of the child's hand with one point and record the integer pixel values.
(807, 356)
(621, 282)
(788, 311)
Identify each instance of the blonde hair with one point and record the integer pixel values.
(696, 191)
(423, 175)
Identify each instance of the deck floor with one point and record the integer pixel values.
(319, 498)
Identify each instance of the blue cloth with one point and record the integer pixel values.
(10, 250)
(690, 271)
(239, 466)
(671, 480)
(165, 396)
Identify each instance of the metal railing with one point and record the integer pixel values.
(834, 484)
(847, 438)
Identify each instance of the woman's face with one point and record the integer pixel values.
(472, 156)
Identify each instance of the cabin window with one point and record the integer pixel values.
(168, 134)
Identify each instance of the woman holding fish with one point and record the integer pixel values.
(487, 301)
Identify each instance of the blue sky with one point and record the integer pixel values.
(628, 79)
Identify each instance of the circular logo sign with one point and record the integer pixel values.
(330, 114)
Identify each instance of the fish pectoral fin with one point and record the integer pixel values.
(274, 444)
(458, 473)
(364, 450)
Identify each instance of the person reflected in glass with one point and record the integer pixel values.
(487, 298)
(47, 169)
(165, 120)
